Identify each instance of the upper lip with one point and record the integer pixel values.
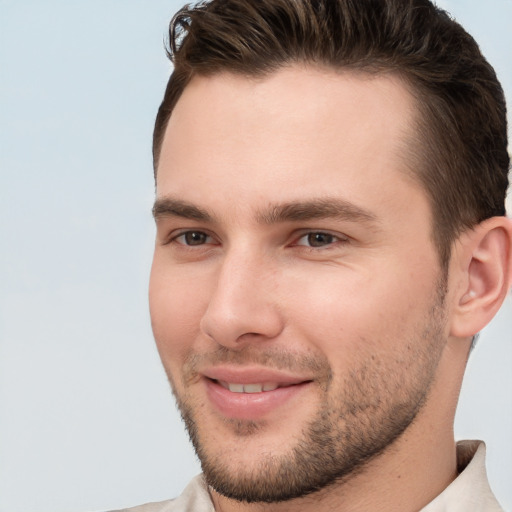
(252, 375)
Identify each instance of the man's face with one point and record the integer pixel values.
(296, 296)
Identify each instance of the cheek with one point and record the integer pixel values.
(348, 314)
(177, 305)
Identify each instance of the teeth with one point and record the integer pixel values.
(253, 388)
(249, 388)
(236, 388)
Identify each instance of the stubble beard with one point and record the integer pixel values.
(354, 424)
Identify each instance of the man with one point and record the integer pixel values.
(331, 235)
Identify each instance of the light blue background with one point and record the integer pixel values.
(86, 418)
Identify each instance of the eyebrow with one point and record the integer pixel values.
(324, 208)
(169, 207)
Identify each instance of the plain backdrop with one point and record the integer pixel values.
(87, 421)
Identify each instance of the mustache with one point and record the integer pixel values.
(276, 359)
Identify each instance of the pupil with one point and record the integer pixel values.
(195, 238)
(319, 239)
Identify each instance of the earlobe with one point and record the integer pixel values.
(485, 268)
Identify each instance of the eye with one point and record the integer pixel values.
(191, 238)
(317, 239)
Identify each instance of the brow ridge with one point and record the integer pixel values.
(275, 213)
(316, 209)
(170, 207)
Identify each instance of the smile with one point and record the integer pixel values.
(250, 388)
(253, 400)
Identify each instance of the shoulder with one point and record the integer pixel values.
(195, 498)
(470, 491)
(160, 506)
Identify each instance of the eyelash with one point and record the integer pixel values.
(183, 234)
(332, 239)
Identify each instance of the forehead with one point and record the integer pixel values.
(295, 133)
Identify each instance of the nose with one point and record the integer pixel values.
(244, 304)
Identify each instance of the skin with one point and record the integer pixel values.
(354, 304)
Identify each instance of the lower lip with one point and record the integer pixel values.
(251, 406)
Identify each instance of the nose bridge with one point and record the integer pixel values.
(243, 299)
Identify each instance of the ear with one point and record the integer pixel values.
(483, 273)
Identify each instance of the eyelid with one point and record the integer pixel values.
(338, 238)
(176, 234)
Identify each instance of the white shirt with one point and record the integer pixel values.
(469, 492)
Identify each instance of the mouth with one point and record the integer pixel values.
(251, 388)
(246, 395)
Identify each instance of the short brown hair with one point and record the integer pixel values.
(460, 152)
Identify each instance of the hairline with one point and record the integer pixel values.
(362, 68)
